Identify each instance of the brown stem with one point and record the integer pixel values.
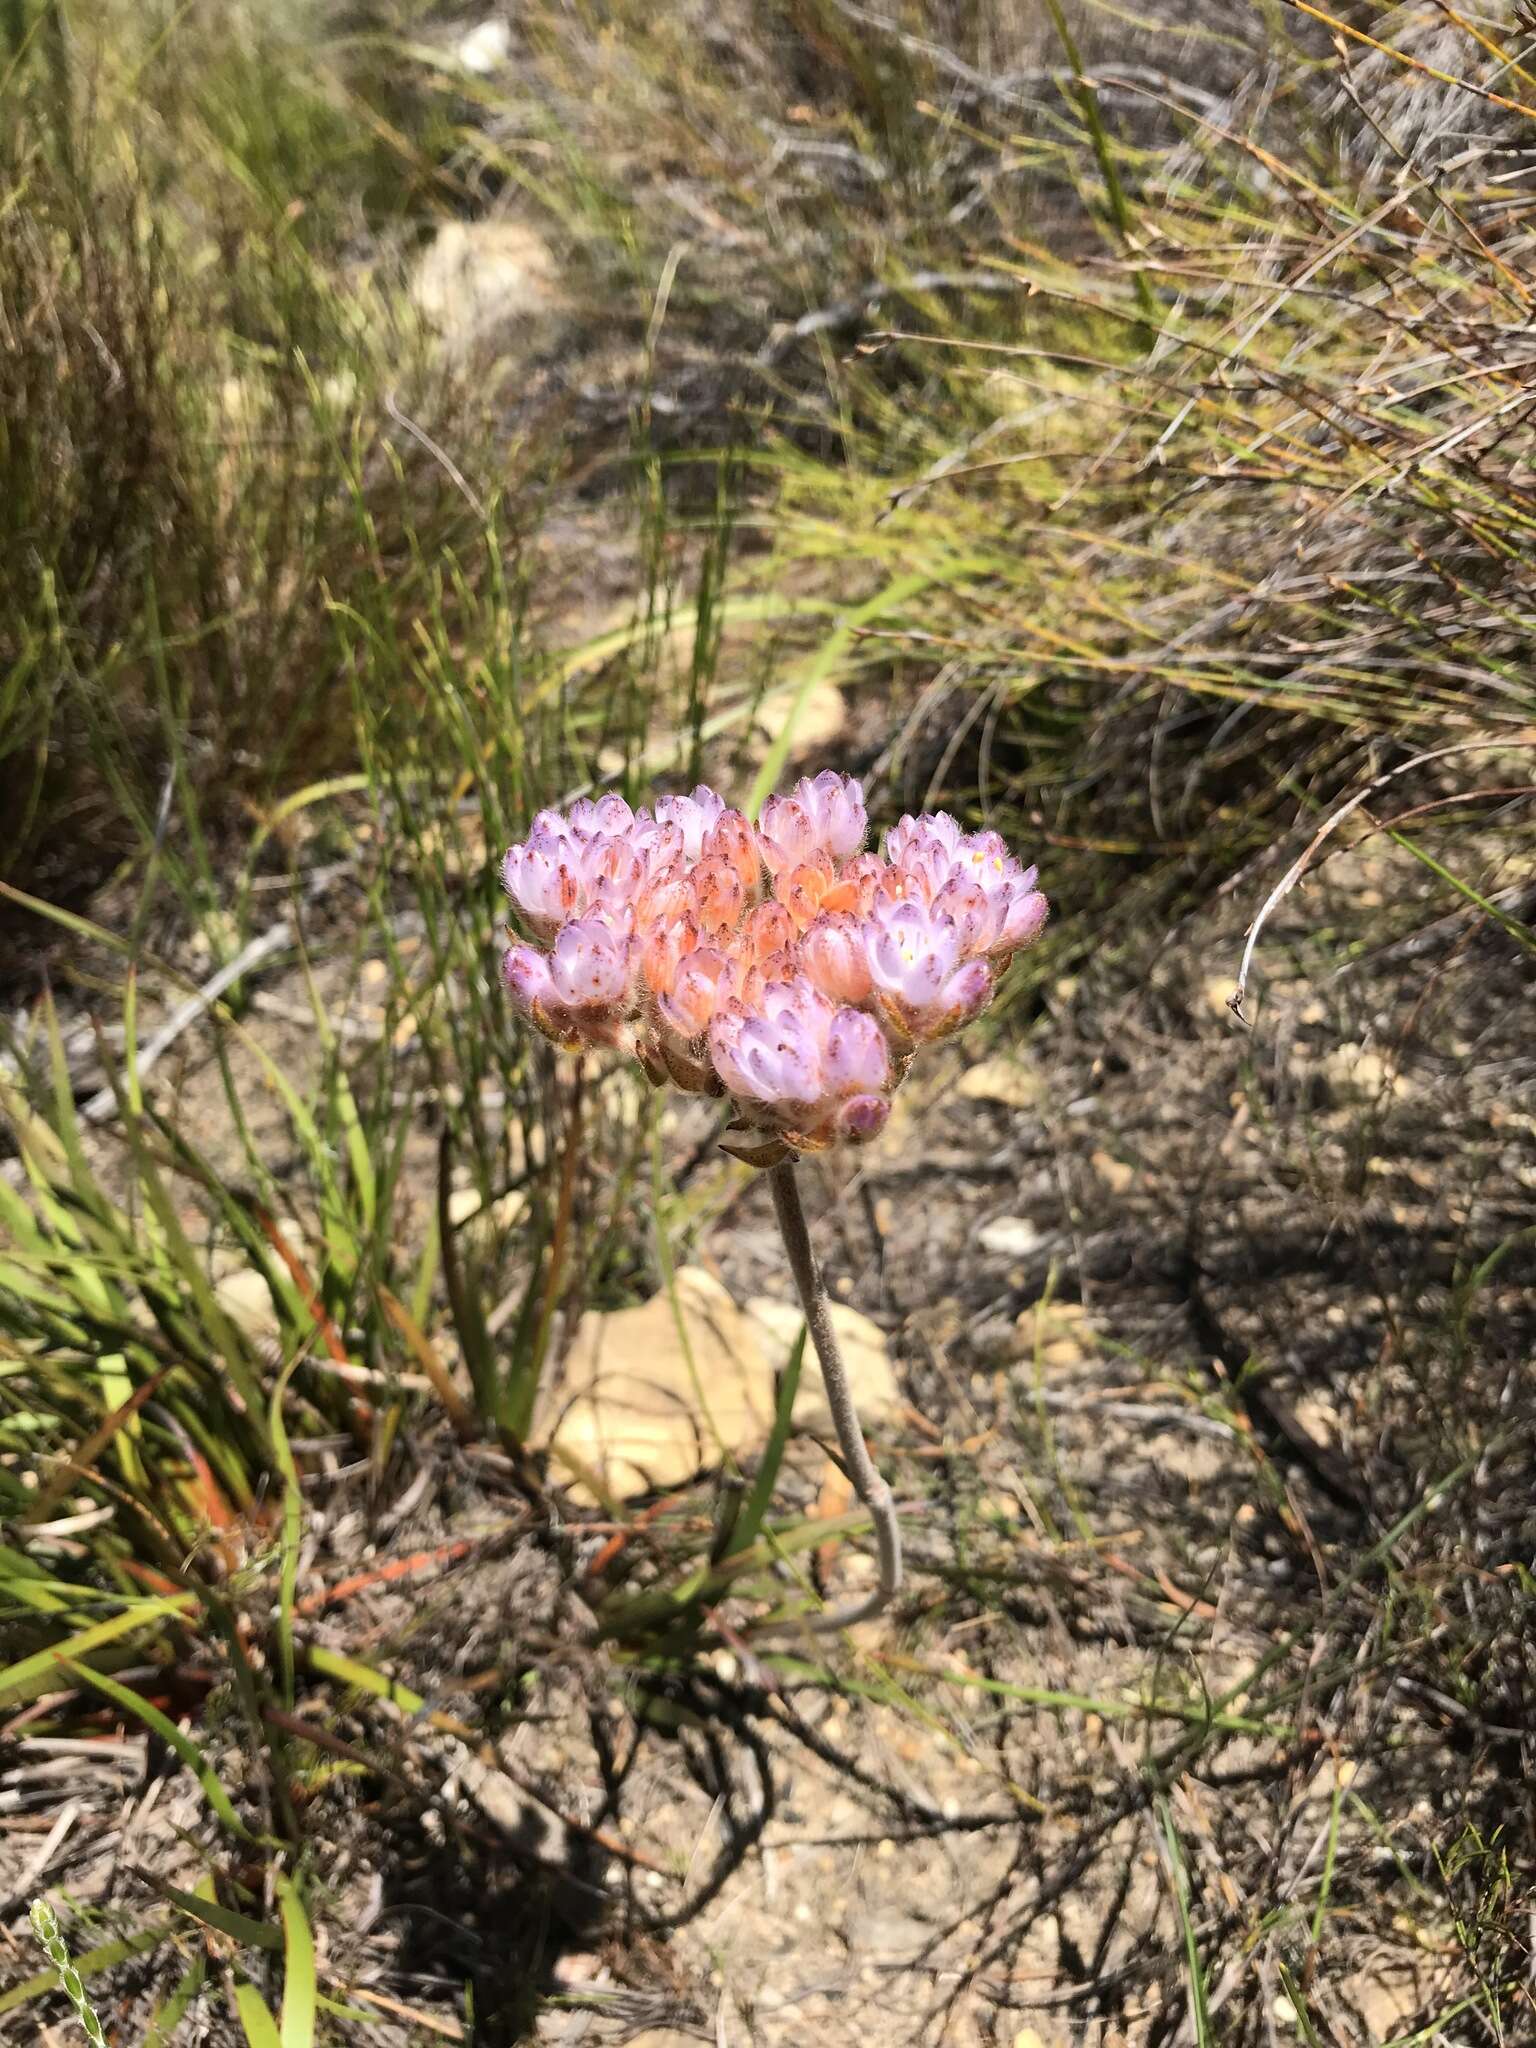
(871, 1488)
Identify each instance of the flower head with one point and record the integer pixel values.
(824, 816)
(924, 984)
(801, 1067)
(581, 991)
(972, 876)
(653, 933)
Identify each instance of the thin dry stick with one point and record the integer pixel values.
(871, 1488)
(1303, 861)
(104, 1101)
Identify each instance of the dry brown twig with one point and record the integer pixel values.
(1330, 824)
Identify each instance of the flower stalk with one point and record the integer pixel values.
(860, 1466)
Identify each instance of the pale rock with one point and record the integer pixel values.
(1319, 1417)
(464, 1205)
(994, 1340)
(241, 1290)
(643, 1413)
(818, 722)
(1051, 1332)
(1002, 1080)
(886, 1931)
(1385, 1999)
(480, 276)
(866, 1356)
(247, 1300)
(1360, 1071)
(1219, 990)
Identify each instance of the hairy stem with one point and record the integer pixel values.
(871, 1488)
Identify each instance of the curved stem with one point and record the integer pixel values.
(871, 1488)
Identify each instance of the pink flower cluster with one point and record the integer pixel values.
(780, 965)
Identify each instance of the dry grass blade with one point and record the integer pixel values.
(1330, 824)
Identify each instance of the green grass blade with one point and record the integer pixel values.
(222, 1919)
(254, 2016)
(1199, 1998)
(750, 1523)
(293, 1530)
(38, 1672)
(174, 1738)
(169, 2015)
(331, 1664)
(828, 658)
(297, 2023)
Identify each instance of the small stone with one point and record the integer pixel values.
(485, 49)
(1115, 1174)
(1002, 1080)
(885, 1931)
(1052, 1332)
(1319, 1418)
(644, 1405)
(995, 1340)
(247, 1300)
(1009, 1237)
(819, 721)
(1360, 1072)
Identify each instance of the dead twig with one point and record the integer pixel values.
(186, 1014)
(1330, 824)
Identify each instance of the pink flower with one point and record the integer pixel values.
(704, 979)
(526, 973)
(582, 992)
(797, 1063)
(605, 817)
(834, 956)
(824, 816)
(733, 841)
(558, 872)
(769, 930)
(971, 876)
(716, 896)
(693, 818)
(590, 965)
(815, 886)
(923, 982)
(856, 1059)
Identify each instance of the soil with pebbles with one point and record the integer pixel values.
(1188, 1321)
